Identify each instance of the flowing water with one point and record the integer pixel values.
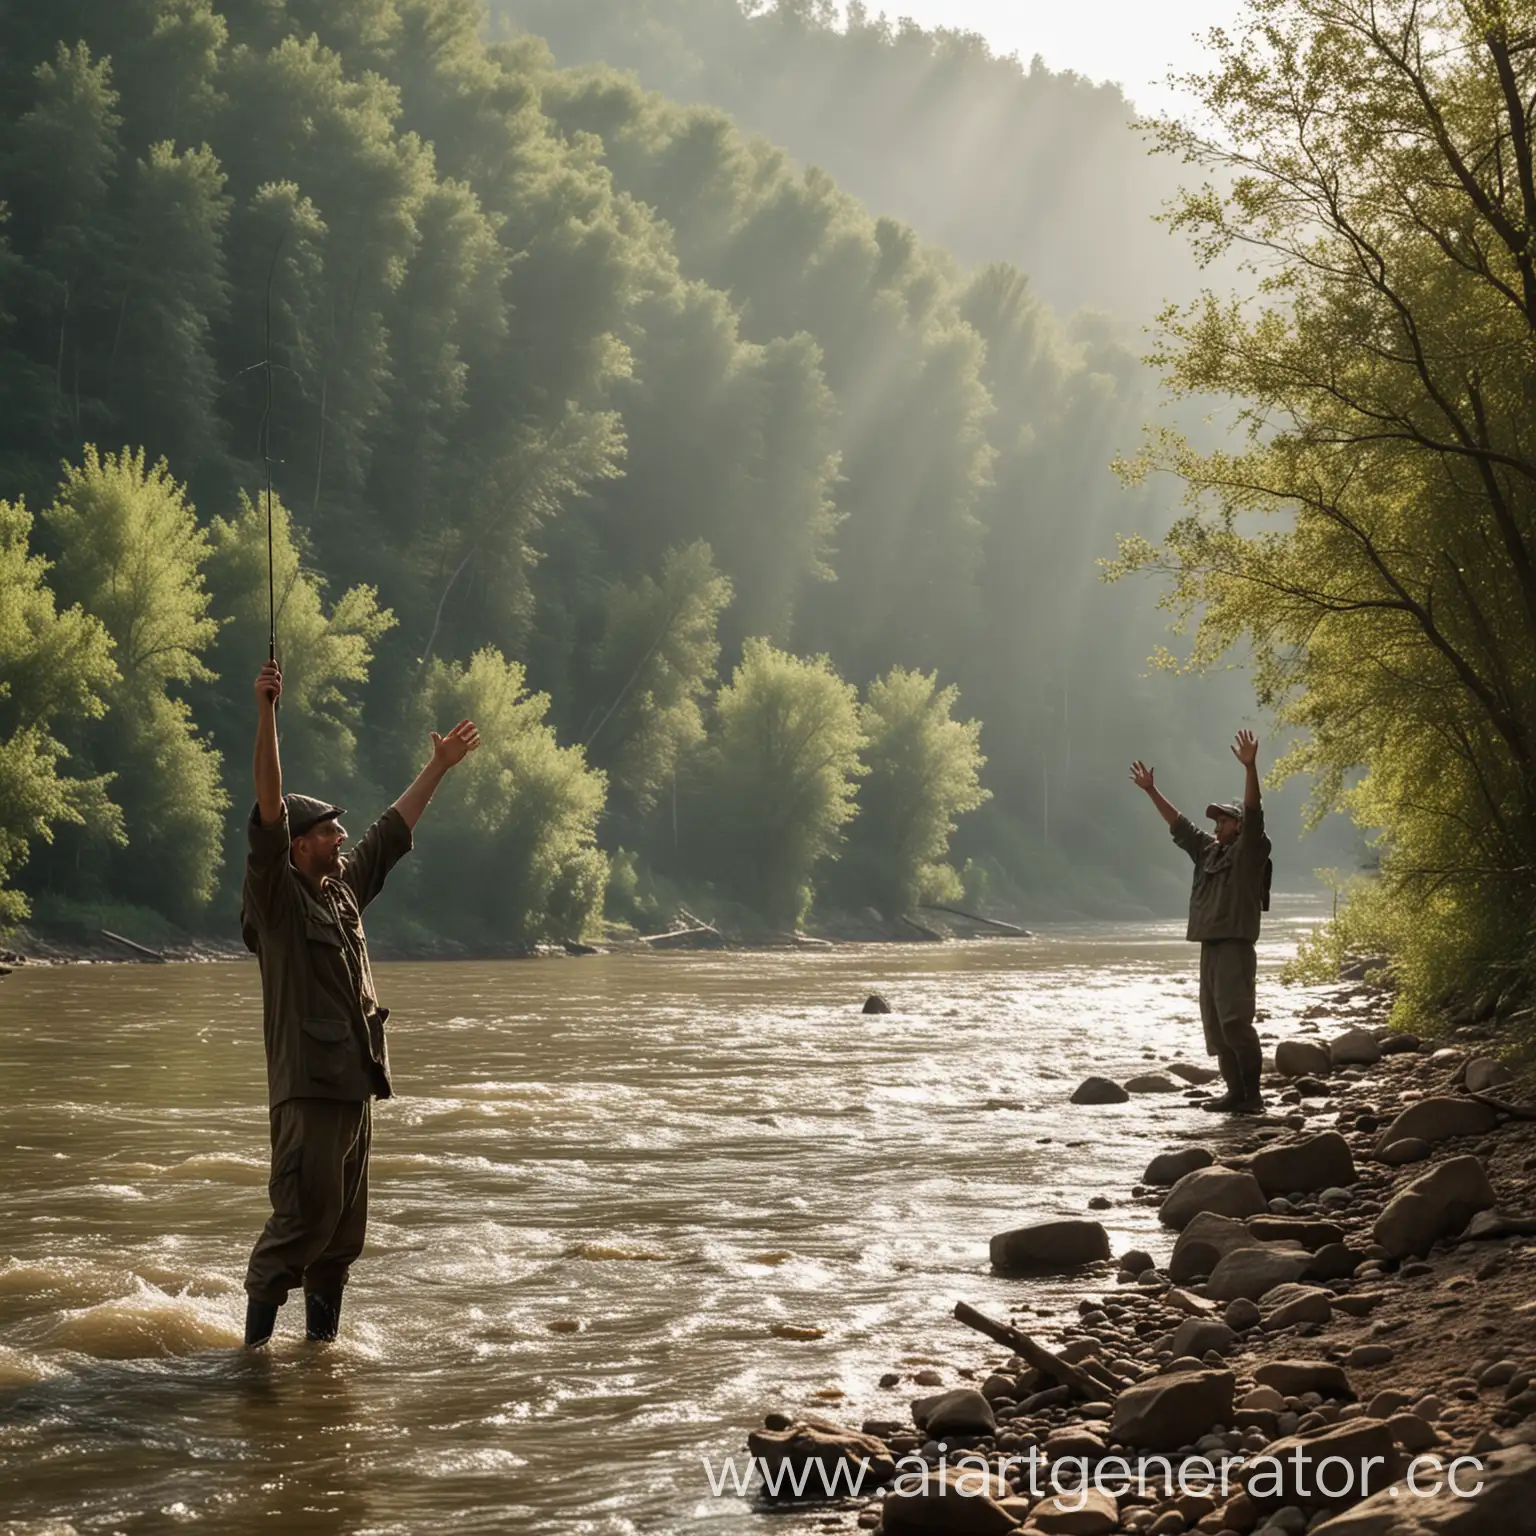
(604, 1185)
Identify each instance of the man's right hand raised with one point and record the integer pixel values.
(1141, 776)
(269, 684)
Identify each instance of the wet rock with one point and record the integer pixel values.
(1316, 1163)
(1437, 1204)
(1503, 1506)
(1295, 1378)
(1137, 1262)
(874, 1003)
(963, 1411)
(1151, 1082)
(1099, 1090)
(1361, 1457)
(1354, 1048)
(1302, 1058)
(1172, 1410)
(1188, 1303)
(807, 1442)
(1312, 1088)
(1358, 969)
(1218, 1191)
(1251, 1272)
(1485, 1074)
(1398, 1043)
(1196, 1076)
(1050, 1245)
(1439, 1119)
(1170, 1167)
(950, 1499)
(1289, 1304)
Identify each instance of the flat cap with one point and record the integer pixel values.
(1215, 809)
(305, 813)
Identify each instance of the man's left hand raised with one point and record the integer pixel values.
(452, 749)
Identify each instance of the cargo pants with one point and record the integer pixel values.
(319, 1194)
(1228, 1002)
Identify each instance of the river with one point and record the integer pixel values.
(602, 1185)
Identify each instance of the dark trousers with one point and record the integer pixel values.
(1228, 1001)
(319, 1193)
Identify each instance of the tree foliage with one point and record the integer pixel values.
(1373, 536)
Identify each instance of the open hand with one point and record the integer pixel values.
(456, 745)
(1246, 748)
(269, 684)
(1141, 776)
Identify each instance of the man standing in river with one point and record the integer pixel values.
(1230, 893)
(301, 915)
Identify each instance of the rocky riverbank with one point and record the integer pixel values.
(1348, 1279)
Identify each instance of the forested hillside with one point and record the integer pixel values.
(745, 523)
(994, 158)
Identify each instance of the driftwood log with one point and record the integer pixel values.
(1088, 1381)
(976, 917)
(138, 949)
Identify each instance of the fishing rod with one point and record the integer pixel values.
(266, 452)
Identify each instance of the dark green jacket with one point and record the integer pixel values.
(1227, 901)
(321, 1018)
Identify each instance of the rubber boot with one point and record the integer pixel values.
(1231, 1072)
(322, 1317)
(260, 1320)
(1250, 1066)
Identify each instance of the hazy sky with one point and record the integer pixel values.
(1134, 42)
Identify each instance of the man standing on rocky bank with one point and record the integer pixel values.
(301, 915)
(1231, 890)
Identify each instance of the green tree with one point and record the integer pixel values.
(53, 666)
(325, 649)
(1382, 155)
(777, 779)
(131, 554)
(924, 773)
(655, 661)
(513, 855)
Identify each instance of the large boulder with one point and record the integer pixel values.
(1191, 1073)
(1173, 1409)
(807, 1442)
(1099, 1090)
(1170, 1167)
(1502, 1506)
(1438, 1119)
(1251, 1272)
(1437, 1204)
(961, 1412)
(1302, 1058)
(1354, 1048)
(1362, 1457)
(1202, 1244)
(1319, 1162)
(1048, 1245)
(1151, 1082)
(956, 1501)
(1221, 1191)
(1295, 1378)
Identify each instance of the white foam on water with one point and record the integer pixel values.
(50, 1285)
(145, 1324)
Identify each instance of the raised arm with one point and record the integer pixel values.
(266, 768)
(1142, 778)
(1246, 750)
(447, 752)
